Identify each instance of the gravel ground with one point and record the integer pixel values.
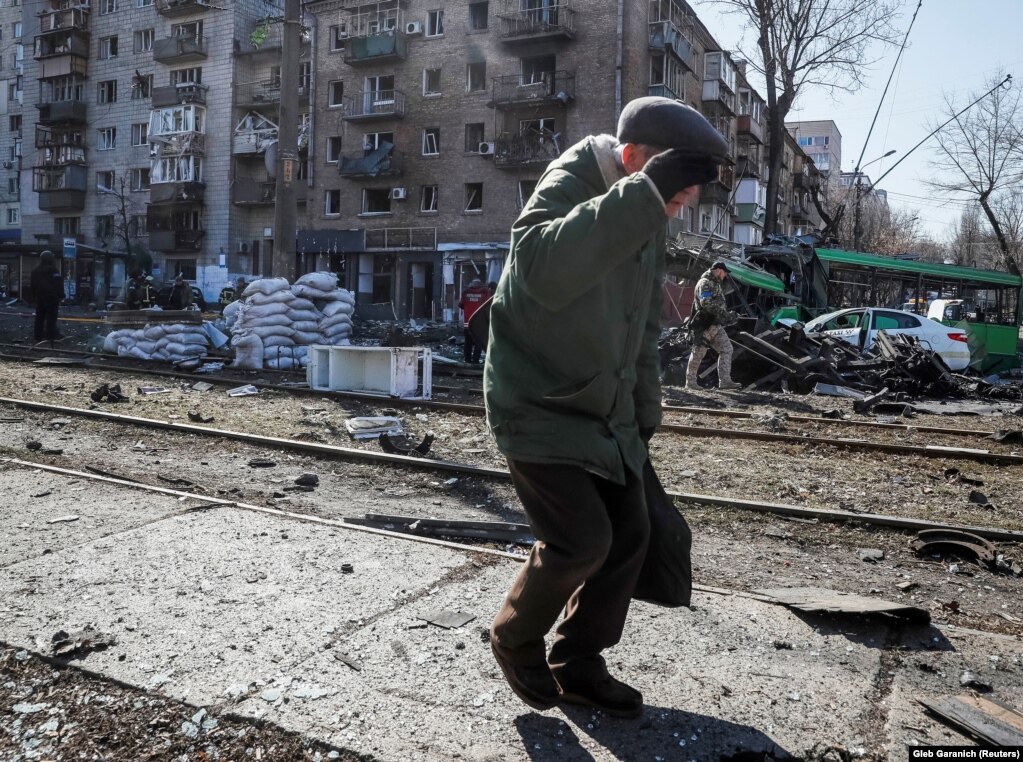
(52, 712)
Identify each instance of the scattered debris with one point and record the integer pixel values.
(197, 417)
(147, 390)
(108, 474)
(201, 386)
(347, 569)
(308, 480)
(962, 544)
(311, 692)
(63, 519)
(954, 475)
(108, 393)
(44, 493)
(270, 695)
(449, 620)
(371, 427)
(80, 643)
(983, 718)
(823, 601)
(907, 586)
(242, 391)
(1007, 435)
(979, 498)
(970, 680)
(348, 660)
(33, 445)
(262, 463)
(870, 555)
(485, 530)
(405, 446)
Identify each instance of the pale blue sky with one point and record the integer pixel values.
(955, 47)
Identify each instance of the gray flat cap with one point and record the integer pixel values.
(666, 123)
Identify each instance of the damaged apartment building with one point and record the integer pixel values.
(424, 127)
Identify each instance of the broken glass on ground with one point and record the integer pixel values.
(371, 427)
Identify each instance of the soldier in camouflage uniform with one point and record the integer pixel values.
(710, 300)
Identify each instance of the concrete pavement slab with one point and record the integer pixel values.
(30, 500)
(250, 612)
(205, 601)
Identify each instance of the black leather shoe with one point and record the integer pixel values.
(587, 682)
(534, 684)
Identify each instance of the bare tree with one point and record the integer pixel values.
(123, 228)
(809, 43)
(980, 155)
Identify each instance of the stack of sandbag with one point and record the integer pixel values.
(336, 306)
(158, 341)
(273, 323)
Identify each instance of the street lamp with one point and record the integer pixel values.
(857, 228)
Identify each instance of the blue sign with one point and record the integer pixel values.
(70, 248)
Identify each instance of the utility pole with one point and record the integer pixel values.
(857, 228)
(285, 214)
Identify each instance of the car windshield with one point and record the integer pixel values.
(840, 322)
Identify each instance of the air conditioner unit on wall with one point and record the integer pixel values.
(398, 194)
(414, 27)
(486, 149)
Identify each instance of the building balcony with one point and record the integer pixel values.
(176, 95)
(176, 240)
(663, 91)
(524, 150)
(64, 42)
(177, 193)
(61, 19)
(715, 193)
(174, 50)
(805, 182)
(382, 162)
(717, 95)
(747, 167)
(62, 112)
(555, 21)
(667, 38)
(59, 139)
(383, 47)
(62, 65)
(252, 192)
(751, 214)
(175, 8)
(257, 95)
(549, 88)
(747, 125)
(60, 188)
(373, 105)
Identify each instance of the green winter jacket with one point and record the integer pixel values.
(572, 371)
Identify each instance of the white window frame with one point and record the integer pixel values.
(107, 139)
(140, 133)
(13, 215)
(329, 194)
(427, 91)
(111, 175)
(333, 149)
(106, 91)
(142, 41)
(435, 23)
(468, 199)
(338, 36)
(428, 199)
(431, 141)
(108, 47)
(107, 6)
(140, 179)
(331, 102)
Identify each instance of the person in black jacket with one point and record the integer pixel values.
(47, 289)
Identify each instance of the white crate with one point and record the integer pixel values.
(387, 371)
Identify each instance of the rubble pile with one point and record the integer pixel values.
(158, 341)
(275, 322)
(786, 359)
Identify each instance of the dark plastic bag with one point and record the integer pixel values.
(667, 574)
(479, 324)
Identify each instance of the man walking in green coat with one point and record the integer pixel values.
(573, 392)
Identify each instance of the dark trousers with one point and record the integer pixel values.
(472, 349)
(46, 322)
(591, 540)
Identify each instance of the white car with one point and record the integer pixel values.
(860, 325)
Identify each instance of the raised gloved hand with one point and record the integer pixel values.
(675, 170)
